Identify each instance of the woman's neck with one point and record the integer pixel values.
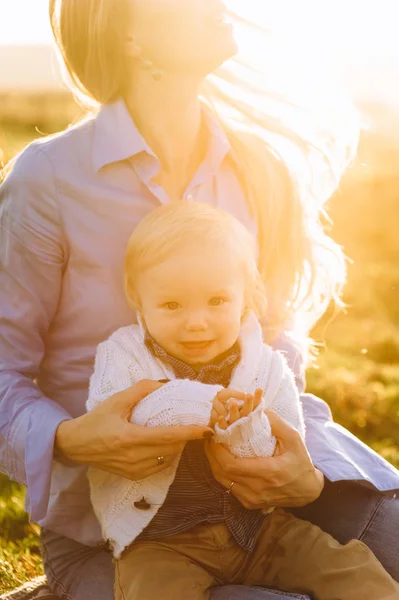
(168, 114)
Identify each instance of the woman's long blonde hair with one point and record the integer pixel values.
(289, 159)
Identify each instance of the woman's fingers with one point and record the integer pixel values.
(242, 469)
(170, 435)
(124, 402)
(219, 458)
(285, 433)
(287, 479)
(143, 469)
(167, 450)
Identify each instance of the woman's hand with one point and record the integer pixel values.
(287, 479)
(105, 438)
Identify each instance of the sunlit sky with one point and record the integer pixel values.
(359, 36)
(362, 27)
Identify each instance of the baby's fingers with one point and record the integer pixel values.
(247, 407)
(258, 397)
(222, 423)
(229, 393)
(214, 418)
(234, 412)
(219, 406)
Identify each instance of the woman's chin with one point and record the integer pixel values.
(227, 50)
(211, 65)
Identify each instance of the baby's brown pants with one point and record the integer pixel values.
(290, 554)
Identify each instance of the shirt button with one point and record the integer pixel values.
(142, 504)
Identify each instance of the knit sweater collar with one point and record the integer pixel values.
(250, 342)
(219, 370)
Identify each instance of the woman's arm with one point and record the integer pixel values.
(105, 438)
(32, 258)
(32, 261)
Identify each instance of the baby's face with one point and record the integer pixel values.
(192, 303)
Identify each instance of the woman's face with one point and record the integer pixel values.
(182, 36)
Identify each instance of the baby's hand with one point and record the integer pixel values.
(251, 402)
(236, 411)
(221, 406)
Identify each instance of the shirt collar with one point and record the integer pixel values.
(116, 137)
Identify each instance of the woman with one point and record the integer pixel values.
(67, 210)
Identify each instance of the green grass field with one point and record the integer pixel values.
(357, 372)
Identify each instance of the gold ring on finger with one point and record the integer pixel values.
(160, 460)
(232, 484)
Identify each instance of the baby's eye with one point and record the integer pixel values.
(172, 305)
(216, 301)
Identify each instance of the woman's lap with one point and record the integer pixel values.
(348, 511)
(75, 571)
(344, 510)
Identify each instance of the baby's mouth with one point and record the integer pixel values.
(196, 345)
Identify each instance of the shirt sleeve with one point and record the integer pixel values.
(32, 259)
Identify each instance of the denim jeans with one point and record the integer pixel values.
(344, 510)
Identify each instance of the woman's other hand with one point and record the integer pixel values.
(287, 479)
(104, 438)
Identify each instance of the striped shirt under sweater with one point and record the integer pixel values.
(195, 496)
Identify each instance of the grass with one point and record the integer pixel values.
(20, 558)
(357, 371)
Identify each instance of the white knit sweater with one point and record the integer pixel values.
(123, 360)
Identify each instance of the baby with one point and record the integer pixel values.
(191, 277)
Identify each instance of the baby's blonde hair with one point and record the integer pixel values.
(172, 228)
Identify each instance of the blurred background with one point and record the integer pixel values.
(353, 41)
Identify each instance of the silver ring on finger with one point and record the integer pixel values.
(160, 460)
(232, 484)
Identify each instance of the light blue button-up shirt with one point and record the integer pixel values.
(66, 213)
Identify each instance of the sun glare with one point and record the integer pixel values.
(24, 22)
(344, 27)
(351, 30)
(339, 37)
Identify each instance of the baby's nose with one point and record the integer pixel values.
(196, 322)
